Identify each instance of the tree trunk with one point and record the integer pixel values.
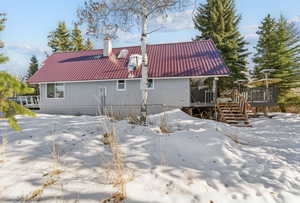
(144, 80)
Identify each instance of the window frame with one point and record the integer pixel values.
(151, 88)
(64, 90)
(125, 85)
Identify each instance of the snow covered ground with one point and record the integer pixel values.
(197, 162)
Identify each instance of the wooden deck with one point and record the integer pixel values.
(256, 97)
(199, 104)
(260, 96)
(30, 102)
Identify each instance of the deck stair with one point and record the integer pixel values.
(235, 111)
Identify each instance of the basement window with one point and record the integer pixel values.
(55, 90)
(121, 85)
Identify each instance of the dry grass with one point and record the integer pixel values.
(118, 174)
(37, 194)
(55, 172)
(107, 138)
(52, 176)
(234, 138)
(164, 127)
(134, 119)
(34, 195)
(115, 198)
(3, 147)
(289, 109)
(116, 116)
(118, 163)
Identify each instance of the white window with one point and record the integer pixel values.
(55, 90)
(121, 85)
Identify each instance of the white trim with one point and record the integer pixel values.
(55, 83)
(160, 78)
(125, 86)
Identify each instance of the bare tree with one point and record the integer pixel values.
(106, 17)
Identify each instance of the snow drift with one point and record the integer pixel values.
(198, 161)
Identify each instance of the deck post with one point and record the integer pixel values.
(215, 94)
(215, 89)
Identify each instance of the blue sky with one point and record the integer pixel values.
(29, 23)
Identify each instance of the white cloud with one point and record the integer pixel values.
(251, 36)
(19, 55)
(249, 32)
(26, 49)
(127, 36)
(295, 19)
(250, 27)
(175, 21)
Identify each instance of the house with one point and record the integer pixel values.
(90, 82)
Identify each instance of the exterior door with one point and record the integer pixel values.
(102, 99)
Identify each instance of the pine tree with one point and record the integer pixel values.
(287, 65)
(33, 67)
(77, 39)
(217, 20)
(88, 44)
(266, 47)
(278, 48)
(9, 87)
(59, 40)
(3, 58)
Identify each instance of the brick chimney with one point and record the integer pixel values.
(107, 49)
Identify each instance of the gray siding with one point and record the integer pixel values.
(83, 97)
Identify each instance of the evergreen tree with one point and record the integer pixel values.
(33, 67)
(266, 47)
(278, 48)
(59, 40)
(3, 58)
(9, 87)
(217, 20)
(88, 44)
(287, 55)
(77, 39)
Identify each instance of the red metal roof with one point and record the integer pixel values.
(185, 59)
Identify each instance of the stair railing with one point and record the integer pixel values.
(221, 115)
(241, 100)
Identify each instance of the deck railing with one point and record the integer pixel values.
(31, 102)
(203, 96)
(260, 96)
